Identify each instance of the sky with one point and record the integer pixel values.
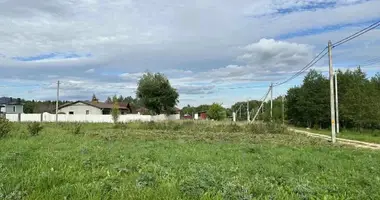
(211, 51)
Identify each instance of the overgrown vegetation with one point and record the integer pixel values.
(5, 127)
(34, 128)
(186, 160)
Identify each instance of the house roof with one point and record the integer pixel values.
(14, 103)
(9, 101)
(99, 105)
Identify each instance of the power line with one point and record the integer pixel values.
(372, 63)
(357, 34)
(340, 42)
(239, 87)
(309, 65)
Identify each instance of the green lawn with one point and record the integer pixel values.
(365, 136)
(200, 162)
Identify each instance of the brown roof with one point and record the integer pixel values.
(99, 105)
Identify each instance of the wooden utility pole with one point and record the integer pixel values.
(336, 103)
(271, 101)
(332, 104)
(261, 106)
(248, 118)
(56, 103)
(283, 110)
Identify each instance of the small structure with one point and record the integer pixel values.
(92, 108)
(187, 116)
(202, 115)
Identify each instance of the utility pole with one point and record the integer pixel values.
(336, 103)
(261, 106)
(283, 110)
(248, 118)
(271, 101)
(332, 106)
(56, 103)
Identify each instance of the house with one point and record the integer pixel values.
(91, 108)
(202, 115)
(187, 116)
(9, 106)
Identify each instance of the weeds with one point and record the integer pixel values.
(34, 128)
(258, 128)
(76, 128)
(5, 127)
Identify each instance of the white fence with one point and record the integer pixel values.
(46, 117)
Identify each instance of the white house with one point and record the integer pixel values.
(91, 108)
(7, 105)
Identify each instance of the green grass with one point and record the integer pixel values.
(181, 161)
(365, 136)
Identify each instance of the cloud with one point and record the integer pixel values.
(200, 46)
(90, 70)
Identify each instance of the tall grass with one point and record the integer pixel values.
(254, 128)
(181, 160)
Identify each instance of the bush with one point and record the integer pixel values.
(5, 127)
(115, 112)
(276, 128)
(34, 128)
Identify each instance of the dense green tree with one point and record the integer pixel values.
(109, 100)
(156, 93)
(216, 112)
(359, 105)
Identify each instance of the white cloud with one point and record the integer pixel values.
(196, 44)
(90, 70)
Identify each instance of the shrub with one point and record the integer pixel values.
(34, 128)
(5, 127)
(115, 112)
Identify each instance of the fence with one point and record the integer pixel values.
(46, 117)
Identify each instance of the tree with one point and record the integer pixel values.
(120, 99)
(156, 93)
(216, 112)
(115, 112)
(188, 110)
(109, 100)
(94, 99)
(359, 105)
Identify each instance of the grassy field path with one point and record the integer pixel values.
(355, 143)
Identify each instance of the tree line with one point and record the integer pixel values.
(308, 105)
(359, 101)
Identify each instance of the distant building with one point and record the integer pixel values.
(202, 115)
(187, 116)
(11, 106)
(91, 108)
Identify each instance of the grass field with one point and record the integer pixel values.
(365, 136)
(181, 161)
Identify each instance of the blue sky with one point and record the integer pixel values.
(211, 51)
